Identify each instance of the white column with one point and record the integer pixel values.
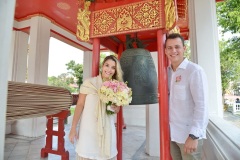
(152, 123)
(17, 64)
(205, 50)
(39, 50)
(6, 18)
(135, 115)
(37, 73)
(87, 64)
(18, 57)
(152, 130)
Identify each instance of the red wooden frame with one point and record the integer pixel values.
(60, 134)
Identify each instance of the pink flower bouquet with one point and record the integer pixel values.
(116, 93)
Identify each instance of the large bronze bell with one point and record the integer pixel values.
(140, 73)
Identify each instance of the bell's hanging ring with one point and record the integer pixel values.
(140, 74)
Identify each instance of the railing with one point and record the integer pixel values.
(234, 107)
(223, 140)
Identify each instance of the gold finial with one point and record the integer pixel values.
(176, 29)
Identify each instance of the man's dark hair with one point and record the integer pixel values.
(173, 36)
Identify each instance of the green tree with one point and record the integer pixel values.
(228, 18)
(62, 80)
(230, 65)
(228, 13)
(187, 53)
(76, 70)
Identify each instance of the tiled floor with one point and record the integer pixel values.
(23, 148)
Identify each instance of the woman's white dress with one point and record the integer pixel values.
(87, 145)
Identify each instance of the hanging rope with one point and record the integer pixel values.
(27, 100)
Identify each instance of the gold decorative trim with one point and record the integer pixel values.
(170, 13)
(83, 18)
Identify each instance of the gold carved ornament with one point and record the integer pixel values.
(132, 17)
(170, 14)
(176, 29)
(83, 25)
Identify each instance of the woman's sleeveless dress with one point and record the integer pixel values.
(88, 143)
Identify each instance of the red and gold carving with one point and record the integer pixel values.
(133, 17)
(182, 9)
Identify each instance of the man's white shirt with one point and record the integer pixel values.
(188, 101)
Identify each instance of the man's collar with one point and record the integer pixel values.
(183, 65)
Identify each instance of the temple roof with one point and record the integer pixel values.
(63, 13)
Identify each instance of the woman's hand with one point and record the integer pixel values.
(78, 111)
(73, 135)
(115, 108)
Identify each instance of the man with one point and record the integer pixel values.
(188, 116)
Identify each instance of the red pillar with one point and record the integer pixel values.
(119, 133)
(96, 57)
(119, 118)
(163, 99)
(120, 51)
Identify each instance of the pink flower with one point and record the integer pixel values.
(178, 78)
(115, 92)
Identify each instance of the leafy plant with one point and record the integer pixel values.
(63, 80)
(76, 70)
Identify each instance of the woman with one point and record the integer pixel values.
(97, 134)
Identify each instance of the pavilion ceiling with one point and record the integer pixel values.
(63, 13)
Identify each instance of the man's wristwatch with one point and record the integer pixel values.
(193, 137)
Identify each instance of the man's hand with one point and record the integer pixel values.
(190, 145)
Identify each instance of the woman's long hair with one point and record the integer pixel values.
(118, 75)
